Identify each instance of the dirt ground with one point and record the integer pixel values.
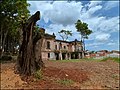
(84, 74)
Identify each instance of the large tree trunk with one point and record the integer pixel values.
(28, 63)
(3, 43)
(83, 45)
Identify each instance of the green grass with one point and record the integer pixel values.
(76, 60)
(112, 58)
(65, 82)
(38, 74)
(89, 59)
(72, 60)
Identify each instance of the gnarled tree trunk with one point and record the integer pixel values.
(28, 62)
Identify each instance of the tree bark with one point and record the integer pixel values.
(28, 62)
(83, 45)
(3, 43)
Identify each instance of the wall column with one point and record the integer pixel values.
(60, 56)
(79, 54)
(83, 55)
(69, 56)
(66, 56)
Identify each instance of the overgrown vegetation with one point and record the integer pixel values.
(5, 58)
(38, 74)
(65, 34)
(77, 60)
(65, 82)
(13, 13)
(116, 59)
(72, 60)
(84, 31)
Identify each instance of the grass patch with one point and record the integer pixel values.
(38, 74)
(72, 60)
(76, 60)
(90, 59)
(116, 59)
(65, 82)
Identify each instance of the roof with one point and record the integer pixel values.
(62, 41)
(48, 36)
(67, 41)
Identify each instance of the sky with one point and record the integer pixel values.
(102, 18)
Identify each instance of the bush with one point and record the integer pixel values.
(38, 74)
(111, 58)
(6, 58)
(65, 82)
(105, 59)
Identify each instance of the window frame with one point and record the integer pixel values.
(48, 45)
(48, 55)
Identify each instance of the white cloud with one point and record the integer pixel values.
(111, 24)
(111, 43)
(57, 27)
(63, 15)
(94, 44)
(103, 24)
(94, 3)
(86, 14)
(111, 4)
(60, 12)
(102, 37)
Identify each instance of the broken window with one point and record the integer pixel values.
(56, 47)
(48, 55)
(64, 47)
(48, 45)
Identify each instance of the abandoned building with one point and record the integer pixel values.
(53, 49)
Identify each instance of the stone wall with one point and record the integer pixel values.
(50, 53)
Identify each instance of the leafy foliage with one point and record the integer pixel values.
(116, 59)
(65, 34)
(5, 58)
(38, 74)
(13, 14)
(83, 29)
(65, 82)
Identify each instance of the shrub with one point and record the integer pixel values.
(38, 74)
(116, 59)
(6, 58)
(111, 58)
(65, 82)
(105, 59)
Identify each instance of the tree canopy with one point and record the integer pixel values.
(12, 14)
(65, 34)
(83, 29)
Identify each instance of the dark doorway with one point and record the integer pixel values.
(69, 56)
(72, 56)
(57, 56)
(80, 55)
(48, 55)
(76, 56)
(63, 55)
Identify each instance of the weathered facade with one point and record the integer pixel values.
(53, 49)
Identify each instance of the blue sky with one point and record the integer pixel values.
(102, 18)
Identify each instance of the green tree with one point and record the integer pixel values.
(65, 34)
(83, 29)
(11, 16)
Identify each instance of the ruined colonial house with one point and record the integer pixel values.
(53, 49)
